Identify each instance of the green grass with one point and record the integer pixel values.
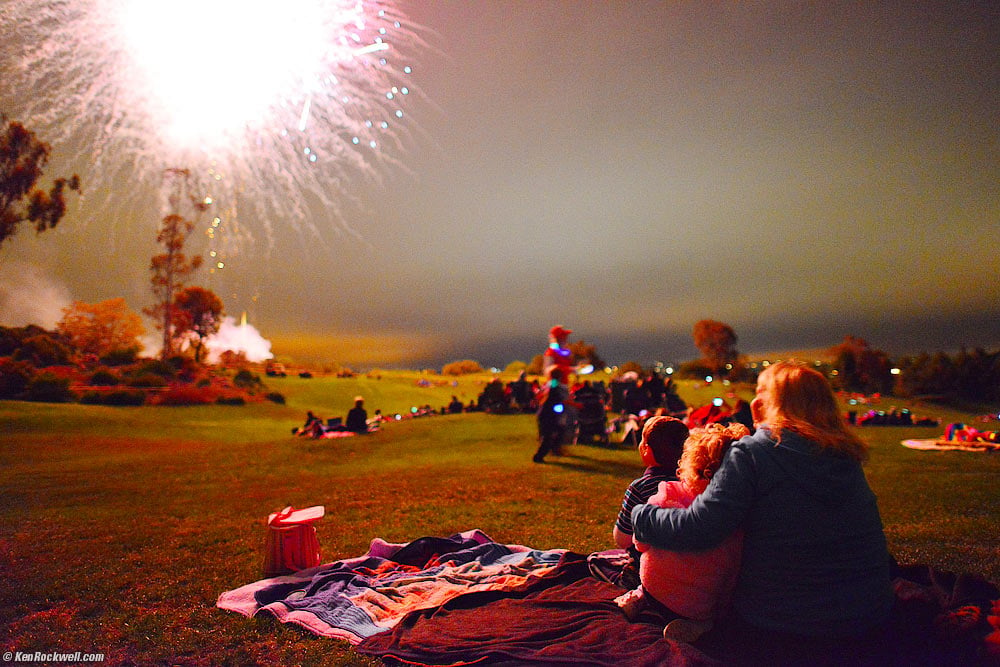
(119, 527)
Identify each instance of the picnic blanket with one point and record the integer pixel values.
(356, 598)
(466, 599)
(950, 445)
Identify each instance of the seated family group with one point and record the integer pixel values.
(357, 422)
(778, 532)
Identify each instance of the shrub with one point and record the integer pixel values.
(122, 357)
(463, 367)
(231, 400)
(186, 369)
(276, 397)
(14, 377)
(43, 350)
(187, 395)
(147, 380)
(694, 370)
(515, 367)
(49, 388)
(246, 380)
(116, 397)
(155, 367)
(103, 378)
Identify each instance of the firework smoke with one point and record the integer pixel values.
(240, 337)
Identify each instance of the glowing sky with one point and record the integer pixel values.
(799, 170)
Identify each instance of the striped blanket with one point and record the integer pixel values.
(359, 597)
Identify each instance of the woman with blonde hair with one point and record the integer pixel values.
(815, 562)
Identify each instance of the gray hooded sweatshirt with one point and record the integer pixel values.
(815, 561)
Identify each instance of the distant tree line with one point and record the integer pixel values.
(854, 365)
(966, 375)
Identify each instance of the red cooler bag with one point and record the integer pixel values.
(291, 541)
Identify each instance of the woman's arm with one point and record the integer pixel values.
(714, 515)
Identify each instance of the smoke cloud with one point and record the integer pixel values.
(240, 337)
(28, 296)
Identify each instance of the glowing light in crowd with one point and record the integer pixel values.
(271, 106)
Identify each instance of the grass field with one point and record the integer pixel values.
(119, 527)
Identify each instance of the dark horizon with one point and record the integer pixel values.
(918, 334)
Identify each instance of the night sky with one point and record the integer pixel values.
(798, 170)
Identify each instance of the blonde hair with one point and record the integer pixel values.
(799, 399)
(703, 452)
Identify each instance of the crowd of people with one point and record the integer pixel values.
(892, 417)
(756, 516)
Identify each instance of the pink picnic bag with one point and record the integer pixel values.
(291, 541)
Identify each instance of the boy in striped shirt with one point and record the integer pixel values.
(660, 449)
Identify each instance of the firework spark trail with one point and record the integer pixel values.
(269, 109)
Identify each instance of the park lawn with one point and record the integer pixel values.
(119, 527)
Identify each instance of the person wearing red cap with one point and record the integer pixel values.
(557, 355)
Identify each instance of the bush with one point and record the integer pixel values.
(103, 378)
(231, 400)
(14, 377)
(276, 397)
(694, 370)
(43, 350)
(122, 357)
(464, 367)
(155, 367)
(246, 380)
(49, 388)
(515, 367)
(117, 397)
(148, 380)
(187, 395)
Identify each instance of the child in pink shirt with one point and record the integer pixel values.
(693, 586)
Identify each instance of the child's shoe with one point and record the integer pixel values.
(631, 603)
(686, 630)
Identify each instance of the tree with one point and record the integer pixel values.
(582, 350)
(861, 367)
(536, 364)
(22, 159)
(717, 343)
(171, 267)
(464, 367)
(101, 328)
(197, 315)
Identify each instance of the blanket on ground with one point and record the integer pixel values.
(466, 599)
(356, 598)
(950, 445)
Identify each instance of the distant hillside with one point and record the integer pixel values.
(810, 354)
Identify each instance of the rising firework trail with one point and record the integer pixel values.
(273, 107)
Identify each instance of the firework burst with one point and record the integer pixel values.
(270, 106)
